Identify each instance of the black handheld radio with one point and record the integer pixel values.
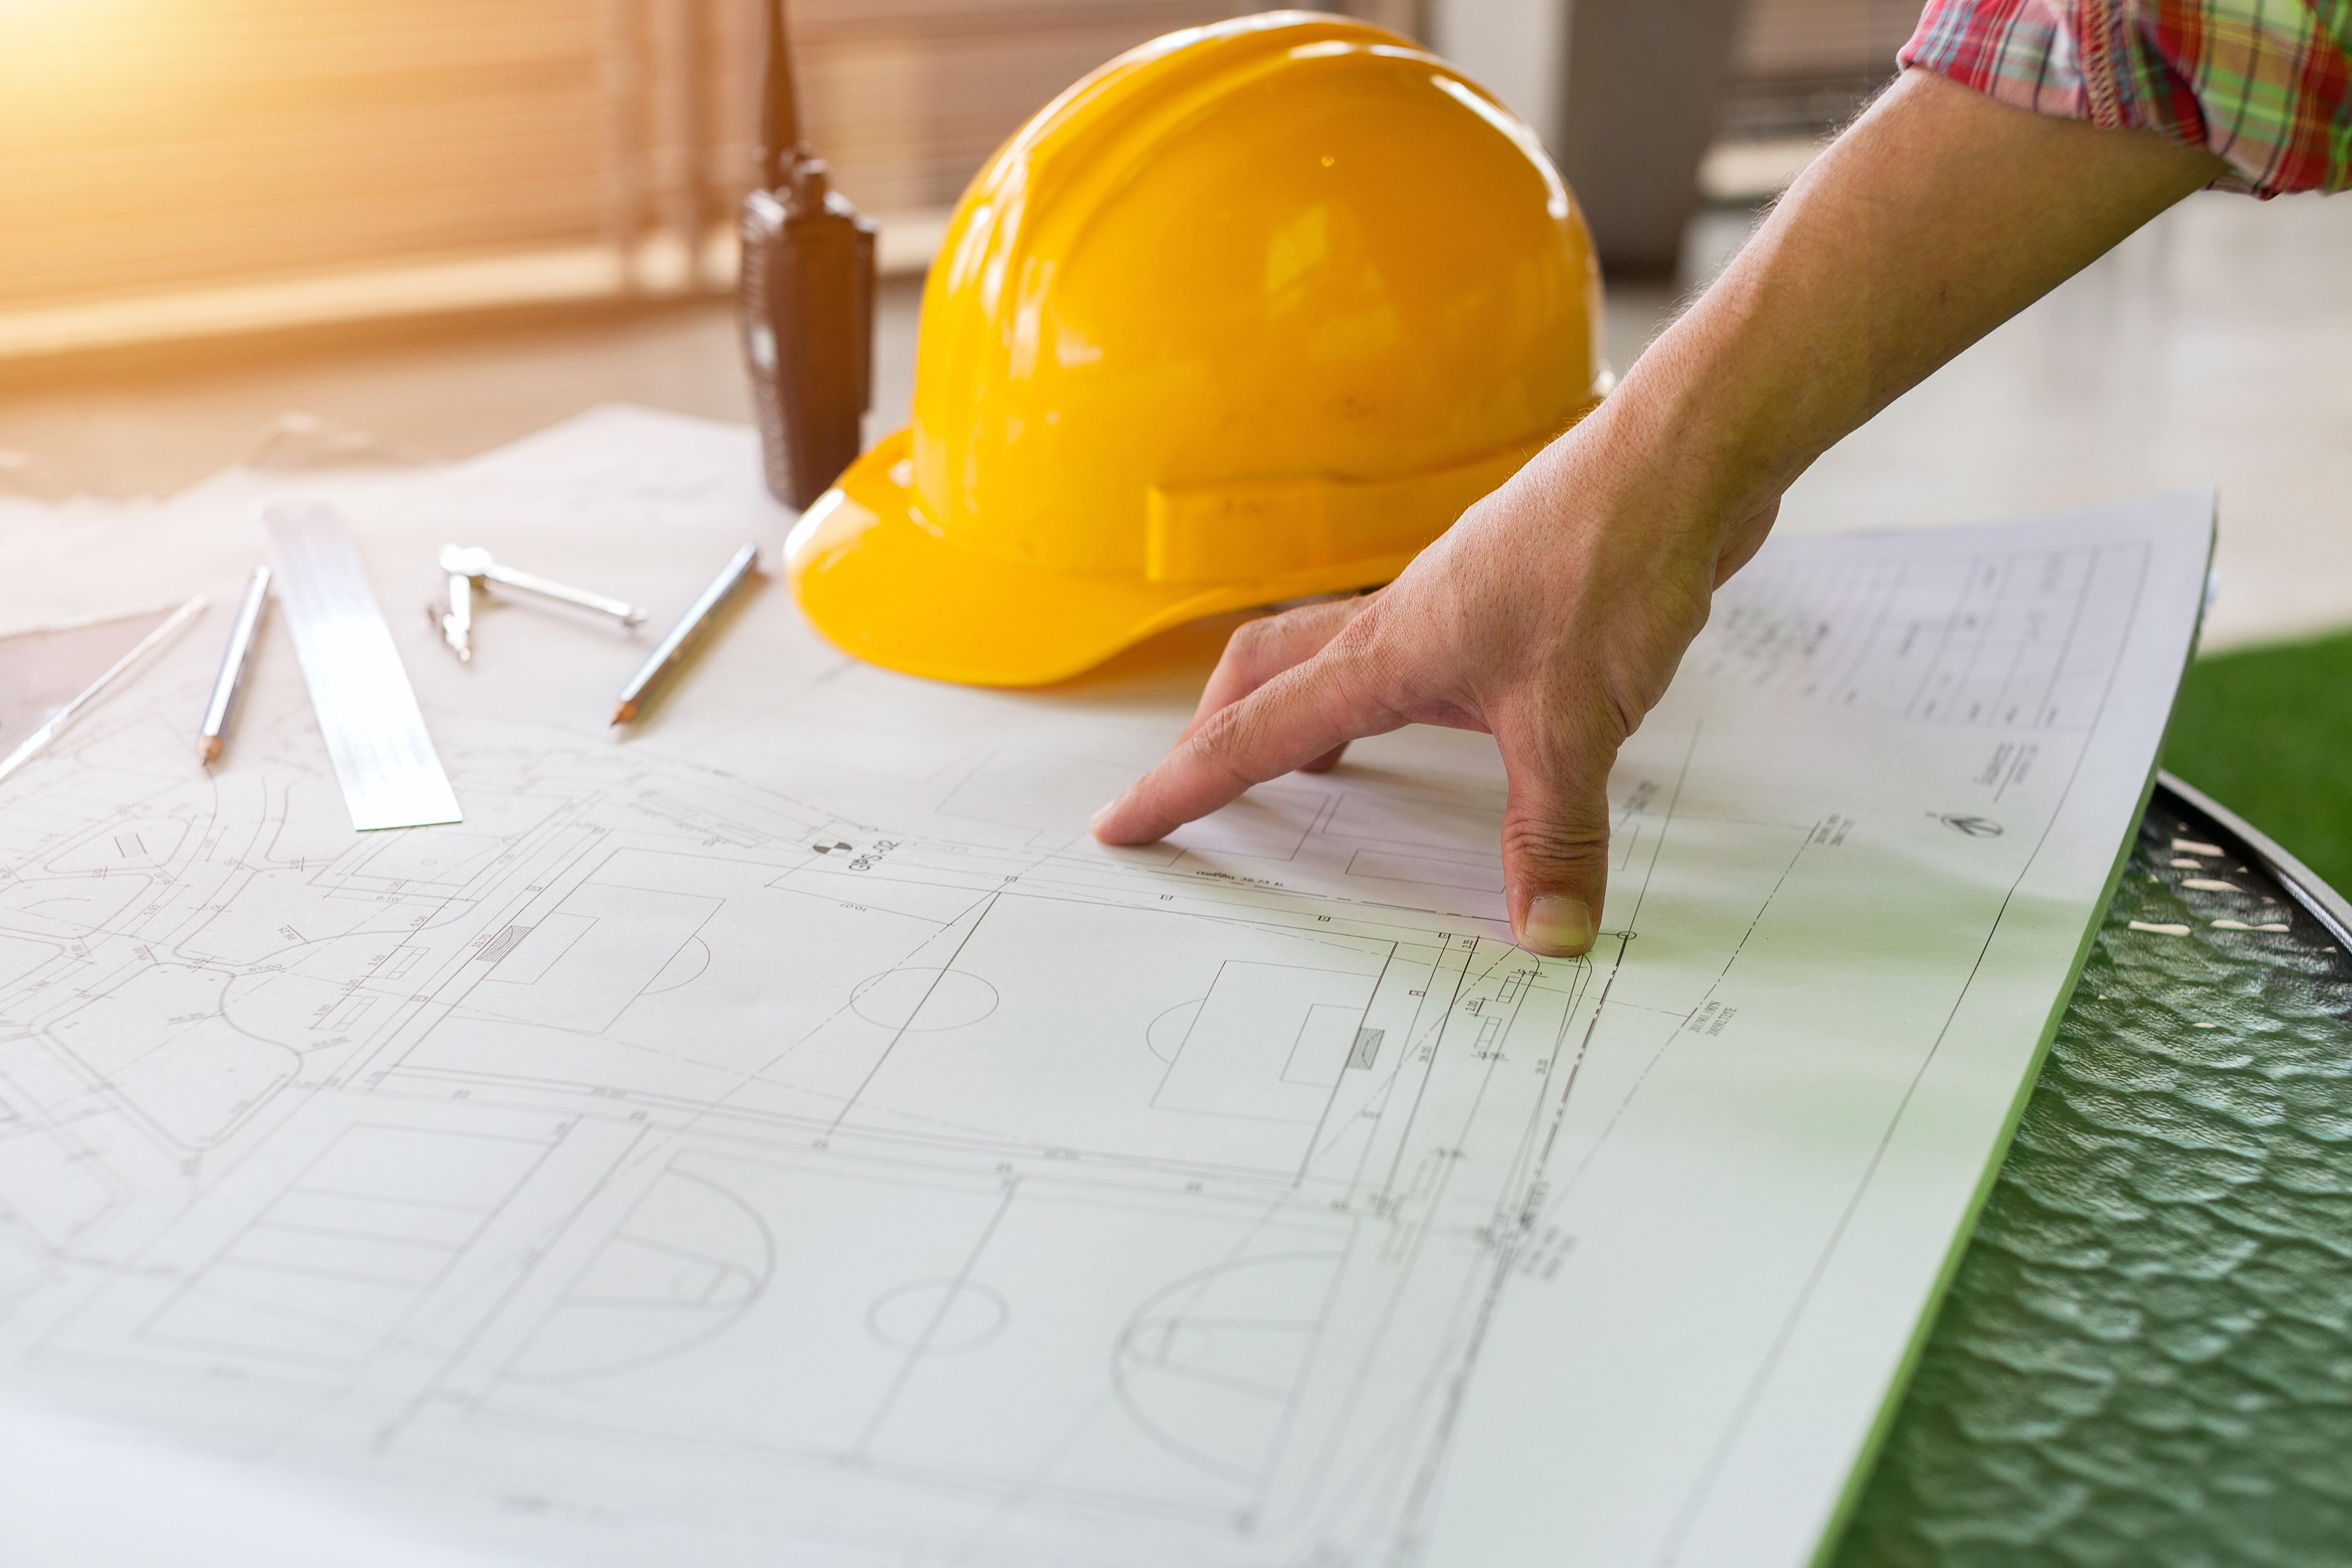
(805, 298)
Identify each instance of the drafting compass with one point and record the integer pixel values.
(469, 566)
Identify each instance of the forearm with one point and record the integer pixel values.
(1936, 216)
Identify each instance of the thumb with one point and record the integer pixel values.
(1555, 842)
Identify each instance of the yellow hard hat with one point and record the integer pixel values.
(1250, 313)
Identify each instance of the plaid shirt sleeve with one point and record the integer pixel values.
(2267, 84)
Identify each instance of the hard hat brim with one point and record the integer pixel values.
(877, 579)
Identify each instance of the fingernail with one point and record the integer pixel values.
(1556, 927)
(1095, 821)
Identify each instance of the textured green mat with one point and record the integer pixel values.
(2268, 733)
(2146, 1357)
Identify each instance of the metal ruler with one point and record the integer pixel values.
(367, 711)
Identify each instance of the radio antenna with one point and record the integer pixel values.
(779, 118)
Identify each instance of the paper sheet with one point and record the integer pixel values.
(778, 1134)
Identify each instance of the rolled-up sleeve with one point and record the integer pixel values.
(2267, 84)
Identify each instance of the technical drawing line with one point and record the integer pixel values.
(1435, 1038)
(1289, 1421)
(1392, 1451)
(1950, 618)
(1687, 1514)
(1376, 1103)
(2058, 666)
(1457, 1370)
(2000, 592)
(1022, 1492)
(1887, 603)
(921, 1347)
(1457, 1388)
(1634, 1093)
(1741, 946)
(571, 1294)
(429, 1387)
(746, 1079)
(1306, 1160)
(1539, 1200)
(1470, 1114)
(1419, 1232)
(696, 1115)
(1534, 1154)
(1666, 825)
(848, 1005)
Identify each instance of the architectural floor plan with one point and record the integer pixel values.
(778, 1135)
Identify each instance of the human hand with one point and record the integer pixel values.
(1552, 615)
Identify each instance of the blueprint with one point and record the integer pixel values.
(775, 1133)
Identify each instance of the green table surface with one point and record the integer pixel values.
(2146, 1356)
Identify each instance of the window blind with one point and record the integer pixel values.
(149, 144)
(176, 166)
(244, 155)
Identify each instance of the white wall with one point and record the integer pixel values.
(1516, 47)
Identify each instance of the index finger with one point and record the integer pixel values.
(1261, 649)
(1294, 717)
